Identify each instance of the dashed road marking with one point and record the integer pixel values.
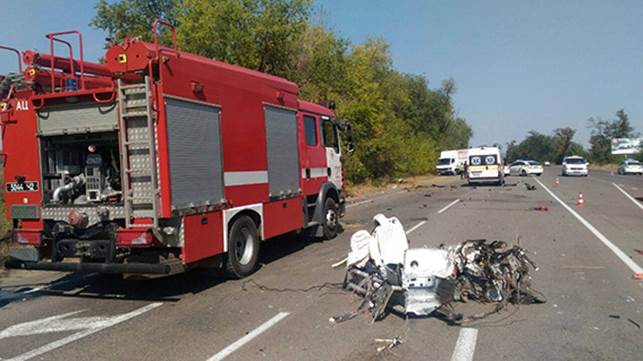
(89, 329)
(416, 227)
(448, 206)
(247, 338)
(617, 251)
(466, 345)
(638, 204)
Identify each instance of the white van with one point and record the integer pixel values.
(447, 163)
(450, 161)
(485, 166)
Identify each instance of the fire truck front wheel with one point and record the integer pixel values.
(243, 248)
(331, 218)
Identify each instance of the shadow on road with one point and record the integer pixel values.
(166, 289)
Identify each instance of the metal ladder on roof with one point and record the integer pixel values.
(138, 154)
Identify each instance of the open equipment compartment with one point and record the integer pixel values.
(81, 169)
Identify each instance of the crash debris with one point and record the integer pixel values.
(530, 187)
(387, 275)
(387, 343)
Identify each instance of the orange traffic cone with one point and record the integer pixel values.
(581, 201)
(557, 181)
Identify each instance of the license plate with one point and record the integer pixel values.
(22, 187)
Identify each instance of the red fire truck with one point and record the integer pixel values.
(159, 160)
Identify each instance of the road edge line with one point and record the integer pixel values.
(248, 337)
(628, 196)
(617, 251)
(465, 346)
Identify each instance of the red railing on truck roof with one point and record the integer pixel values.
(17, 53)
(52, 38)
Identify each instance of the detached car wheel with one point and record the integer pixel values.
(330, 223)
(243, 248)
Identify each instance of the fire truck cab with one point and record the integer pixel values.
(159, 160)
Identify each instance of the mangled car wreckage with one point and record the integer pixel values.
(388, 275)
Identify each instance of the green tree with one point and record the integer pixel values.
(542, 147)
(320, 65)
(458, 134)
(257, 34)
(603, 131)
(131, 17)
(563, 139)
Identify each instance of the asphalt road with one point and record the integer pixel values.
(587, 256)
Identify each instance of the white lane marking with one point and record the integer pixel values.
(629, 196)
(416, 227)
(247, 338)
(448, 206)
(78, 335)
(617, 251)
(56, 323)
(466, 345)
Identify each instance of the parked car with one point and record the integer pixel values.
(575, 165)
(630, 166)
(525, 168)
(547, 163)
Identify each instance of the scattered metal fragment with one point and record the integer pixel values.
(634, 323)
(617, 317)
(492, 272)
(541, 208)
(389, 343)
(530, 187)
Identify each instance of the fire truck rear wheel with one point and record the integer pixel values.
(243, 248)
(331, 219)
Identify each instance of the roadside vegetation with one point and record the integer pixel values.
(4, 225)
(400, 122)
(554, 147)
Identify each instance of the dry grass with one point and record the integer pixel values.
(364, 189)
(607, 167)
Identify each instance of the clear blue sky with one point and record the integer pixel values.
(518, 65)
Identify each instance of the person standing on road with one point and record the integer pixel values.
(462, 167)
